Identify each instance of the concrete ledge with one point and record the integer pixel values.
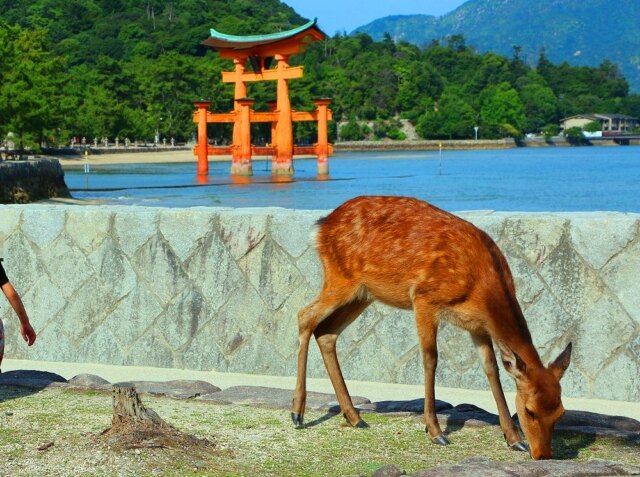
(219, 289)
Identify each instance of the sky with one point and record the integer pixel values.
(346, 15)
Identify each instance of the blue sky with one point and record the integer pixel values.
(347, 15)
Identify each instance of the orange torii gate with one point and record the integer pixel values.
(258, 51)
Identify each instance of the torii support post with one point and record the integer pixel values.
(322, 146)
(202, 148)
(283, 163)
(240, 92)
(241, 157)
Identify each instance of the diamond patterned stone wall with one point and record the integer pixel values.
(219, 289)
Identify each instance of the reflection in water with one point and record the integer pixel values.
(241, 180)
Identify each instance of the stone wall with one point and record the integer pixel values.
(22, 182)
(207, 288)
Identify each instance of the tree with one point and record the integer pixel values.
(574, 136)
(30, 82)
(593, 126)
(540, 106)
(451, 118)
(501, 108)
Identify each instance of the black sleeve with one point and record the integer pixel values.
(3, 275)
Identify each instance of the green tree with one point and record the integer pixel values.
(593, 126)
(451, 118)
(540, 106)
(502, 108)
(30, 82)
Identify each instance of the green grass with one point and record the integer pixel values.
(249, 441)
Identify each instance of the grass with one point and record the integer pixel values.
(249, 441)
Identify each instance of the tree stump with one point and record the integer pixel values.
(128, 407)
(135, 426)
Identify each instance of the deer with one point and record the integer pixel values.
(411, 255)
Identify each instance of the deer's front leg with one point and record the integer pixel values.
(427, 326)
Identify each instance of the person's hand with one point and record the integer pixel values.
(28, 334)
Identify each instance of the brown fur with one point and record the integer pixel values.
(411, 255)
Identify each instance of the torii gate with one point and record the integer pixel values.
(259, 51)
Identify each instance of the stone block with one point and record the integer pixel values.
(241, 231)
(66, 265)
(42, 224)
(272, 273)
(213, 271)
(133, 227)
(182, 318)
(112, 268)
(619, 380)
(185, 229)
(157, 265)
(133, 315)
(621, 276)
(11, 216)
(604, 331)
(601, 237)
(89, 227)
(294, 231)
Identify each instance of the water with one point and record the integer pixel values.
(524, 179)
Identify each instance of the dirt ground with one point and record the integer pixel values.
(58, 432)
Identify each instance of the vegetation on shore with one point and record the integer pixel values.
(93, 69)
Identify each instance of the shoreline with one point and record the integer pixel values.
(185, 155)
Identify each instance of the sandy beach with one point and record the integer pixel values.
(158, 156)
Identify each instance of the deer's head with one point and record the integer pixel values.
(538, 402)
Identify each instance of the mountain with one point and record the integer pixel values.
(581, 32)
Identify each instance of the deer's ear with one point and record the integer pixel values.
(513, 364)
(561, 363)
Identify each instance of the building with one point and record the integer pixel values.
(611, 124)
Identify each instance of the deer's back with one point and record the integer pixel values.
(399, 247)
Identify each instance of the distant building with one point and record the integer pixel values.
(611, 124)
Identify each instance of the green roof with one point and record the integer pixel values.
(222, 40)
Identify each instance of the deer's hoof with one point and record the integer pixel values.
(298, 419)
(361, 425)
(441, 440)
(520, 447)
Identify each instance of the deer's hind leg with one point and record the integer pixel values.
(331, 299)
(427, 328)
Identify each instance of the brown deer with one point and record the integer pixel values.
(411, 255)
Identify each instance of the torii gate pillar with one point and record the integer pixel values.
(322, 146)
(241, 150)
(202, 149)
(283, 161)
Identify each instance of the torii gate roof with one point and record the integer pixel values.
(284, 42)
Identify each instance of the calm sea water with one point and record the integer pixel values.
(524, 179)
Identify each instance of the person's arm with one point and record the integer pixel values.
(28, 334)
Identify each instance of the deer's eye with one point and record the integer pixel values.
(530, 413)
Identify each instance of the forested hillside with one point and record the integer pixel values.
(582, 32)
(97, 68)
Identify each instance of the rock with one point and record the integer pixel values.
(177, 389)
(463, 415)
(556, 468)
(572, 419)
(276, 398)
(31, 379)
(389, 470)
(413, 406)
(89, 381)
